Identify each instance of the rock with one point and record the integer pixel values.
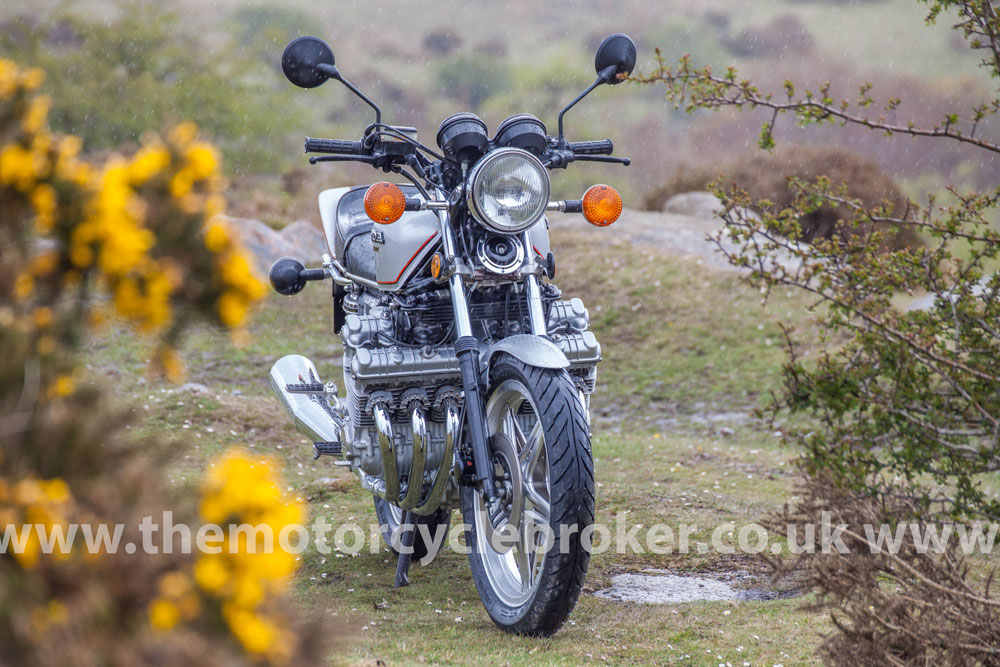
(308, 239)
(726, 432)
(695, 204)
(195, 387)
(264, 243)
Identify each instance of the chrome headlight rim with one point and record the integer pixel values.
(474, 189)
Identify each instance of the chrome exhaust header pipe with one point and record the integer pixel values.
(296, 383)
(420, 444)
(387, 445)
(387, 487)
(452, 434)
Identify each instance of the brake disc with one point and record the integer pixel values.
(502, 520)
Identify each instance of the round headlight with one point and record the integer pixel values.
(508, 190)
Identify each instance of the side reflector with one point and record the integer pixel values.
(436, 265)
(601, 205)
(385, 203)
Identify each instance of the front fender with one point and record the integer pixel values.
(532, 350)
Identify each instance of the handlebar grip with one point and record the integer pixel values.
(600, 147)
(333, 146)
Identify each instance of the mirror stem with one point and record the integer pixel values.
(334, 73)
(603, 77)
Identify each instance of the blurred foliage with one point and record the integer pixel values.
(135, 239)
(767, 177)
(111, 81)
(472, 78)
(703, 43)
(265, 29)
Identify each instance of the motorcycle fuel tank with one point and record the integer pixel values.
(389, 255)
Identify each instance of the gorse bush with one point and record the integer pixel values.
(902, 406)
(135, 239)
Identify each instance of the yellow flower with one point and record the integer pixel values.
(181, 183)
(183, 134)
(23, 285)
(148, 162)
(32, 78)
(8, 78)
(211, 573)
(163, 614)
(202, 161)
(63, 386)
(43, 199)
(45, 263)
(254, 632)
(217, 237)
(171, 364)
(34, 117)
(43, 317)
(232, 309)
(17, 167)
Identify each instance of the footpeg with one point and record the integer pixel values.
(326, 448)
(305, 388)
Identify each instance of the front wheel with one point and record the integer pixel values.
(526, 555)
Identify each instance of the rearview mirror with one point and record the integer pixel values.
(615, 55)
(301, 59)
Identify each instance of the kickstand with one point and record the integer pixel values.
(409, 529)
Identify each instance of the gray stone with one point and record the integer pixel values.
(264, 243)
(195, 387)
(308, 240)
(695, 204)
(666, 588)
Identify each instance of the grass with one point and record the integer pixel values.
(673, 444)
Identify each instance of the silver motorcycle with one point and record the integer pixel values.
(467, 375)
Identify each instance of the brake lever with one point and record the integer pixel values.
(559, 159)
(341, 158)
(624, 161)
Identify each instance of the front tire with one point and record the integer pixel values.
(540, 443)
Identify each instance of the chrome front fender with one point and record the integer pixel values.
(532, 350)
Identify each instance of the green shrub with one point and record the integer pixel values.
(109, 82)
(472, 78)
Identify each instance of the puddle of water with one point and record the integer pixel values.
(660, 587)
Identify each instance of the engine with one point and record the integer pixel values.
(397, 363)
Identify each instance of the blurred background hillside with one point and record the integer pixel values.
(116, 67)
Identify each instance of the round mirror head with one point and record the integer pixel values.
(617, 50)
(300, 59)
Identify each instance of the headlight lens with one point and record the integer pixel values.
(508, 190)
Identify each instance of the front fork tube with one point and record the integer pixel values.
(467, 351)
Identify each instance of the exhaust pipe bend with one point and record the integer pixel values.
(388, 487)
(386, 444)
(443, 475)
(420, 443)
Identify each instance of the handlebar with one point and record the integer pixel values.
(334, 146)
(599, 147)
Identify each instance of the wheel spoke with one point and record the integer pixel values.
(523, 557)
(540, 504)
(513, 428)
(529, 454)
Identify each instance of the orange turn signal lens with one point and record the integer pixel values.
(385, 203)
(436, 265)
(601, 205)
